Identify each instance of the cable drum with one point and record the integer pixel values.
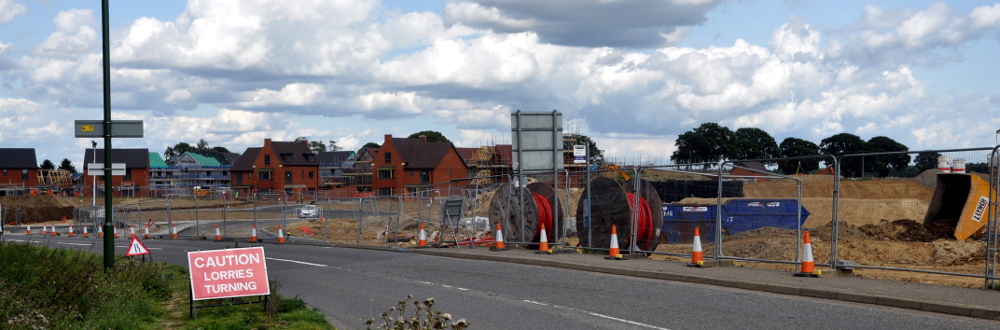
(536, 203)
(611, 206)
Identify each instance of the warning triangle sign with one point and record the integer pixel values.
(136, 248)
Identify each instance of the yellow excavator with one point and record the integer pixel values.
(620, 171)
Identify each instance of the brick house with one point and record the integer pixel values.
(18, 170)
(415, 166)
(136, 172)
(277, 166)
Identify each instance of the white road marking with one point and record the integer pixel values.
(298, 262)
(597, 315)
(74, 243)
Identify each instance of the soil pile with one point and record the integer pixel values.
(38, 209)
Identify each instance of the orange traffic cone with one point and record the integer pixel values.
(85, 233)
(543, 241)
(131, 231)
(29, 230)
(281, 235)
(145, 233)
(422, 236)
(218, 235)
(54, 232)
(70, 231)
(808, 267)
(697, 257)
(100, 231)
(499, 236)
(614, 253)
(173, 232)
(116, 231)
(253, 234)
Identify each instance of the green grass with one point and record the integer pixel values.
(43, 288)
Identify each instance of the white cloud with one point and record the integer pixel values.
(9, 10)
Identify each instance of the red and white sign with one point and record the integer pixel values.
(136, 248)
(228, 273)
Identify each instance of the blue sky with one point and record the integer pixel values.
(631, 74)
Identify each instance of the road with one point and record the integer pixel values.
(350, 285)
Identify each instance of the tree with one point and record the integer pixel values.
(844, 144)
(180, 148)
(319, 146)
(884, 165)
(47, 165)
(432, 136)
(795, 147)
(927, 160)
(707, 143)
(368, 145)
(67, 165)
(573, 139)
(753, 143)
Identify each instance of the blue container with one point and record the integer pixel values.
(738, 215)
(679, 221)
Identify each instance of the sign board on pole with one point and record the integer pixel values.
(119, 128)
(537, 141)
(136, 248)
(117, 169)
(579, 154)
(228, 273)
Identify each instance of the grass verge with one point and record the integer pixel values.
(44, 288)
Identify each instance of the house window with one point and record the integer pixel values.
(24, 175)
(287, 158)
(385, 174)
(302, 174)
(5, 172)
(311, 158)
(449, 172)
(267, 159)
(385, 191)
(128, 174)
(288, 177)
(425, 176)
(265, 175)
(310, 174)
(388, 158)
(411, 172)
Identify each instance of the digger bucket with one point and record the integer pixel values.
(961, 201)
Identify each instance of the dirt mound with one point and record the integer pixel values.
(35, 209)
(906, 230)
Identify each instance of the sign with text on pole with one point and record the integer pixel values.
(228, 273)
(117, 169)
(579, 154)
(119, 128)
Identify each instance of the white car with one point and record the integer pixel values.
(308, 211)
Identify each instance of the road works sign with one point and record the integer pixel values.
(136, 248)
(228, 273)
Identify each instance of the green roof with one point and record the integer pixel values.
(204, 160)
(155, 161)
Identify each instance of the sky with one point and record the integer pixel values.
(630, 74)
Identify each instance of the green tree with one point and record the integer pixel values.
(795, 147)
(319, 146)
(844, 144)
(432, 136)
(753, 143)
(368, 145)
(927, 160)
(707, 143)
(67, 165)
(171, 153)
(885, 165)
(47, 165)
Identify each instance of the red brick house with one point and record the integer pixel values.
(415, 166)
(277, 166)
(18, 170)
(136, 172)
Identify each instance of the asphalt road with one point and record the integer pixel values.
(350, 285)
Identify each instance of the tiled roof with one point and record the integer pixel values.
(155, 161)
(420, 154)
(245, 161)
(18, 158)
(299, 153)
(205, 159)
(334, 157)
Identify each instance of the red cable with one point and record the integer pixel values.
(644, 225)
(544, 215)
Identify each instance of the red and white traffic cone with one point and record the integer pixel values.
(808, 268)
(131, 231)
(422, 236)
(173, 232)
(85, 233)
(543, 241)
(281, 234)
(145, 233)
(100, 231)
(253, 234)
(29, 230)
(218, 235)
(697, 256)
(614, 253)
(116, 231)
(70, 231)
(54, 232)
(499, 238)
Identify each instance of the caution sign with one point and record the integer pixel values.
(136, 248)
(228, 273)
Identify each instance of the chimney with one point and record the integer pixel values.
(267, 141)
(423, 138)
(388, 138)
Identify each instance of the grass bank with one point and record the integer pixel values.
(44, 288)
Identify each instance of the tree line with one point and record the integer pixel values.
(711, 143)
